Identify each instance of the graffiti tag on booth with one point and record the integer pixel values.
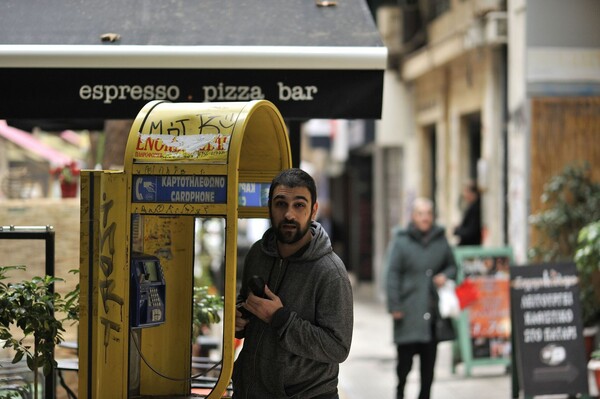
(112, 303)
(203, 136)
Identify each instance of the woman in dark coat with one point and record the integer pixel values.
(419, 260)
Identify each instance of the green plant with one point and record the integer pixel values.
(572, 200)
(205, 310)
(70, 305)
(587, 255)
(29, 306)
(587, 259)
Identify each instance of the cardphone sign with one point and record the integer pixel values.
(253, 194)
(180, 189)
(196, 189)
(548, 330)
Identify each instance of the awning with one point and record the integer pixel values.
(33, 145)
(310, 61)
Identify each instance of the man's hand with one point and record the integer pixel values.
(240, 322)
(263, 308)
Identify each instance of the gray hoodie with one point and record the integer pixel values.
(298, 354)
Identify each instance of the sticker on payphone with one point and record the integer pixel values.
(147, 305)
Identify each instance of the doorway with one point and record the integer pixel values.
(470, 148)
(429, 151)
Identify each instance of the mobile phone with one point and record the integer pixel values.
(257, 286)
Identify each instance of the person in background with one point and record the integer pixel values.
(299, 333)
(469, 230)
(418, 261)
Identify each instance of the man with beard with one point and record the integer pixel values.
(300, 331)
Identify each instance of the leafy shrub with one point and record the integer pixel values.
(587, 259)
(572, 200)
(29, 306)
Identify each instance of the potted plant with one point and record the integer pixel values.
(587, 259)
(206, 308)
(29, 306)
(571, 200)
(594, 367)
(67, 176)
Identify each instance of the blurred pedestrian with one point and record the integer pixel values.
(301, 330)
(469, 230)
(419, 260)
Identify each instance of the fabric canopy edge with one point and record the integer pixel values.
(180, 57)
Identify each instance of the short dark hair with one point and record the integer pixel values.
(294, 177)
(473, 186)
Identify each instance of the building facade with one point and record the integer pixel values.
(443, 115)
(505, 93)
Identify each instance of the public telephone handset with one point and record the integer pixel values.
(147, 290)
(257, 286)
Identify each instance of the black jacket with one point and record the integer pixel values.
(469, 231)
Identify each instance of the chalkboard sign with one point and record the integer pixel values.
(483, 328)
(548, 330)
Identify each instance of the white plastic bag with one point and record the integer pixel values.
(448, 303)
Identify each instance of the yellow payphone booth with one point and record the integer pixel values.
(183, 161)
